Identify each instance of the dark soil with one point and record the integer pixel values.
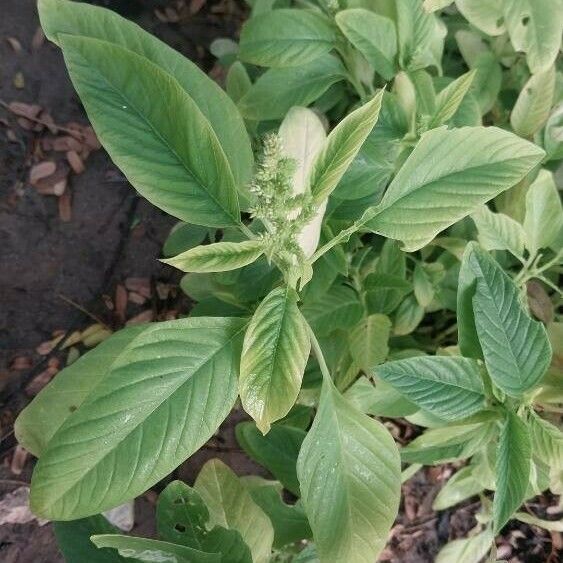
(57, 276)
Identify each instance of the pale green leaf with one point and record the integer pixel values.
(349, 474)
(163, 143)
(286, 38)
(551, 525)
(543, 221)
(535, 27)
(515, 348)
(447, 176)
(81, 19)
(415, 28)
(497, 231)
(143, 549)
(184, 236)
(231, 506)
(275, 351)
(461, 486)
(373, 35)
(512, 470)
(534, 102)
(408, 316)
(467, 550)
(217, 257)
(450, 98)
(486, 15)
(487, 82)
(547, 442)
(279, 89)
(435, 5)
(341, 147)
(423, 286)
(369, 341)
(237, 83)
(449, 387)
(160, 399)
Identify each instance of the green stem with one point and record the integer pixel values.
(317, 351)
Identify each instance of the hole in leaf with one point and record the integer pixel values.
(72, 408)
(525, 20)
(179, 500)
(500, 22)
(180, 528)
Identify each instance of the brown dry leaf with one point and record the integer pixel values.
(14, 508)
(14, 44)
(120, 301)
(31, 111)
(65, 206)
(18, 460)
(53, 185)
(91, 139)
(20, 363)
(49, 122)
(47, 347)
(136, 298)
(75, 162)
(539, 301)
(38, 38)
(39, 381)
(196, 6)
(67, 143)
(139, 285)
(171, 315)
(108, 302)
(19, 80)
(144, 317)
(41, 170)
(163, 290)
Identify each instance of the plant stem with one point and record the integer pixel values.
(316, 347)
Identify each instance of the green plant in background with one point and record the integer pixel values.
(331, 253)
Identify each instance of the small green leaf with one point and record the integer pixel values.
(217, 257)
(341, 147)
(435, 5)
(237, 83)
(447, 176)
(231, 506)
(384, 292)
(142, 549)
(512, 470)
(543, 222)
(449, 387)
(275, 351)
(547, 442)
(423, 286)
(349, 475)
(487, 82)
(373, 35)
(165, 145)
(277, 451)
(286, 38)
(461, 486)
(534, 103)
(467, 550)
(515, 348)
(369, 341)
(450, 98)
(497, 231)
(408, 316)
(182, 237)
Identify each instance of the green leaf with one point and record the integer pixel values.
(373, 35)
(81, 19)
(286, 38)
(462, 485)
(277, 451)
(182, 237)
(486, 15)
(289, 521)
(142, 549)
(341, 147)
(349, 474)
(182, 518)
(275, 351)
(160, 399)
(467, 550)
(217, 257)
(551, 525)
(231, 506)
(423, 286)
(165, 145)
(237, 83)
(384, 292)
(448, 443)
(512, 470)
(369, 341)
(38, 422)
(543, 221)
(73, 539)
(408, 316)
(449, 387)
(279, 89)
(497, 231)
(338, 308)
(447, 176)
(547, 442)
(535, 27)
(450, 98)
(435, 5)
(534, 103)
(515, 348)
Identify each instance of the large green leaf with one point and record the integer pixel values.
(142, 549)
(217, 257)
(38, 422)
(160, 399)
(341, 147)
(486, 15)
(515, 347)
(275, 351)
(279, 89)
(447, 176)
(78, 18)
(449, 387)
(349, 475)
(373, 35)
(286, 37)
(535, 27)
(277, 451)
(512, 470)
(154, 131)
(231, 506)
